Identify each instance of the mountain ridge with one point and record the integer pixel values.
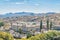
(23, 14)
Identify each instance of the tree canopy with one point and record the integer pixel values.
(1, 24)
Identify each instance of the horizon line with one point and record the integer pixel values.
(28, 12)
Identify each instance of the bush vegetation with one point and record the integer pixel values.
(50, 35)
(44, 36)
(5, 36)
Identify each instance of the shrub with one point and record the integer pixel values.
(29, 35)
(1, 39)
(45, 36)
(6, 36)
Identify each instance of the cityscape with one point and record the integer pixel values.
(24, 26)
(29, 20)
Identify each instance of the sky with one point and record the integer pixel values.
(35, 6)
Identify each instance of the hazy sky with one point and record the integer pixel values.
(37, 6)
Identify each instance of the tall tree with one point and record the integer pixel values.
(1, 24)
(10, 22)
(40, 25)
(17, 26)
(50, 25)
(20, 31)
(47, 24)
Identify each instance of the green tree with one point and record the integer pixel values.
(17, 25)
(50, 25)
(29, 35)
(40, 25)
(20, 31)
(1, 24)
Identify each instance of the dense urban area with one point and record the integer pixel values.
(32, 27)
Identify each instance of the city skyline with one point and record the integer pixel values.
(35, 6)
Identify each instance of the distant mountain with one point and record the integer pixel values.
(50, 13)
(17, 14)
(24, 14)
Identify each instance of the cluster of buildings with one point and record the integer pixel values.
(28, 24)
